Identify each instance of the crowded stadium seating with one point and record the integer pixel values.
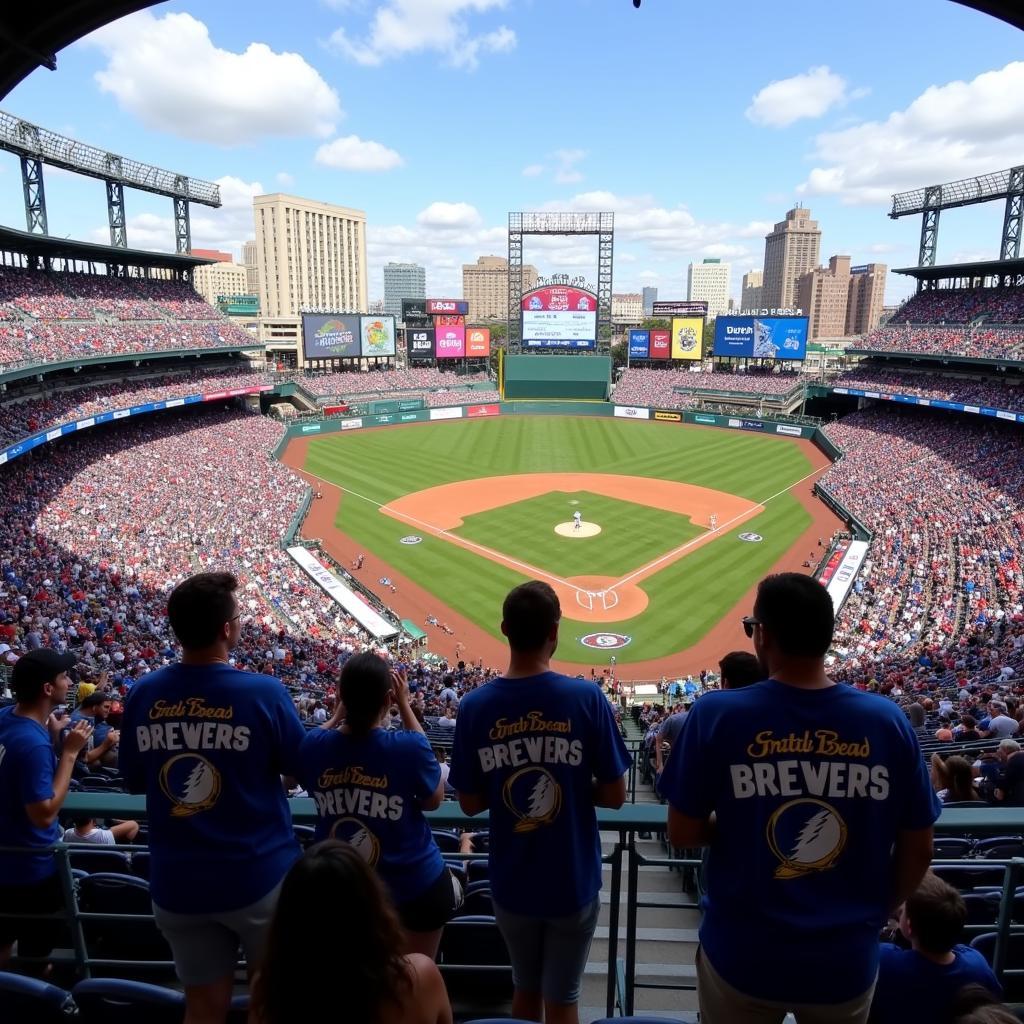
(674, 389)
(983, 392)
(334, 385)
(57, 316)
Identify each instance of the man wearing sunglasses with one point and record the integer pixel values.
(816, 805)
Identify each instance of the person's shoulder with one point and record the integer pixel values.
(423, 972)
(971, 958)
(317, 739)
(404, 739)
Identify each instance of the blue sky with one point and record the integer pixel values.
(699, 125)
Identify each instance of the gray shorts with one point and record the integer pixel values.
(549, 953)
(205, 946)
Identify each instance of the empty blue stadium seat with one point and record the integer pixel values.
(447, 842)
(99, 858)
(951, 847)
(28, 1001)
(109, 893)
(111, 1001)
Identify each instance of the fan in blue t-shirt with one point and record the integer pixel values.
(540, 751)
(371, 785)
(816, 805)
(921, 983)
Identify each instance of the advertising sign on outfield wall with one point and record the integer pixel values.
(783, 428)
(632, 412)
(473, 411)
(668, 417)
(354, 424)
(447, 413)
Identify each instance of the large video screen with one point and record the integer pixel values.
(378, 336)
(420, 341)
(331, 336)
(777, 337)
(687, 337)
(557, 316)
(451, 342)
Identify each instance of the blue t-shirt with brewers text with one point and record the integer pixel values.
(208, 745)
(810, 789)
(368, 792)
(532, 748)
(27, 764)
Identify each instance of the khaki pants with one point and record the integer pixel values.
(720, 1003)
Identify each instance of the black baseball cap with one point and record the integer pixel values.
(37, 667)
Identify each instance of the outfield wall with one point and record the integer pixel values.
(572, 378)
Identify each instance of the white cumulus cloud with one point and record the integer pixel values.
(449, 216)
(950, 131)
(168, 73)
(401, 27)
(808, 95)
(352, 153)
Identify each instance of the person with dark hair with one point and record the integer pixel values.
(371, 786)
(817, 808)
(208, 744)
(975, 1004)
(33, 785)
(540, 751)
(102, 746)
(336, 950)
(953, 779)
(922, 982)
(738, 669)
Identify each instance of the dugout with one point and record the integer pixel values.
(566, 378)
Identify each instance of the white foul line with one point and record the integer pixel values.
(533, 570)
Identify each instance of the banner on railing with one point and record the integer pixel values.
(935, 403)
(376, 625)
(842, 579)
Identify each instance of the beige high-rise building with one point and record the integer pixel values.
(310, 255)
(867, 298)
(252, 269)
(823, 295)
(215, 279)
(790, 251)
(709, 282)
(485, 286)
(752, 295)
(628, 307)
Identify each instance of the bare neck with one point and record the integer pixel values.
(523, 664)
(802, 674)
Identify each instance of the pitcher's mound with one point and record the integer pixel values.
(585, 530)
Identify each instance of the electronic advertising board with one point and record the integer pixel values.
(331, 336)
(378, 336)
(639, 344)
(458, 307)
(420, 342)
(661, 344)
(557, 316)
(478, 342)
(679, 307)
(687, 337)
(414, 313)
(450, 342)
(776, 337)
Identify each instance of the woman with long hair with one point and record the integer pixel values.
(335, 950)
(371, 785)
(953, 779)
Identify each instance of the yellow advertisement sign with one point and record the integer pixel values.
(687, 337)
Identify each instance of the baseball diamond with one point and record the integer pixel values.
(487, 496)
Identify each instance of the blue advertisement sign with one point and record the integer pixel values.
(775, 337)
(639, 344)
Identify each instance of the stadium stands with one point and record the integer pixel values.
(991, 393)
(673, 389)
(333, 385)
(59, 316)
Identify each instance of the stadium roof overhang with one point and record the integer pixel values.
(979, 268)
(32, 33)
(48, 247)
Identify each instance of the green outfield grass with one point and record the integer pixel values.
(629, 533)
(685, 600)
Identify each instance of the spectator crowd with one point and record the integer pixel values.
(983, 392)
(675, 389)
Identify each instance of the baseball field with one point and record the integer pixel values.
(465, 510)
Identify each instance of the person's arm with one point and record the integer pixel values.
(912, 856)
(472, 803)
(466, 776)
(400, 691)
(610, 760)
(610, 794)
(109, 741)
(43, 813)
(686, 833)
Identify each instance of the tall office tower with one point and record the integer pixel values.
(752, 294)
(867, 298)
(403, 281)
(650, 298)
(790, 251)
(485, 286)
(709, 282)
(311, 255)
(251, 268)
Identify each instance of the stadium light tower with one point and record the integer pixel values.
(37, 146)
